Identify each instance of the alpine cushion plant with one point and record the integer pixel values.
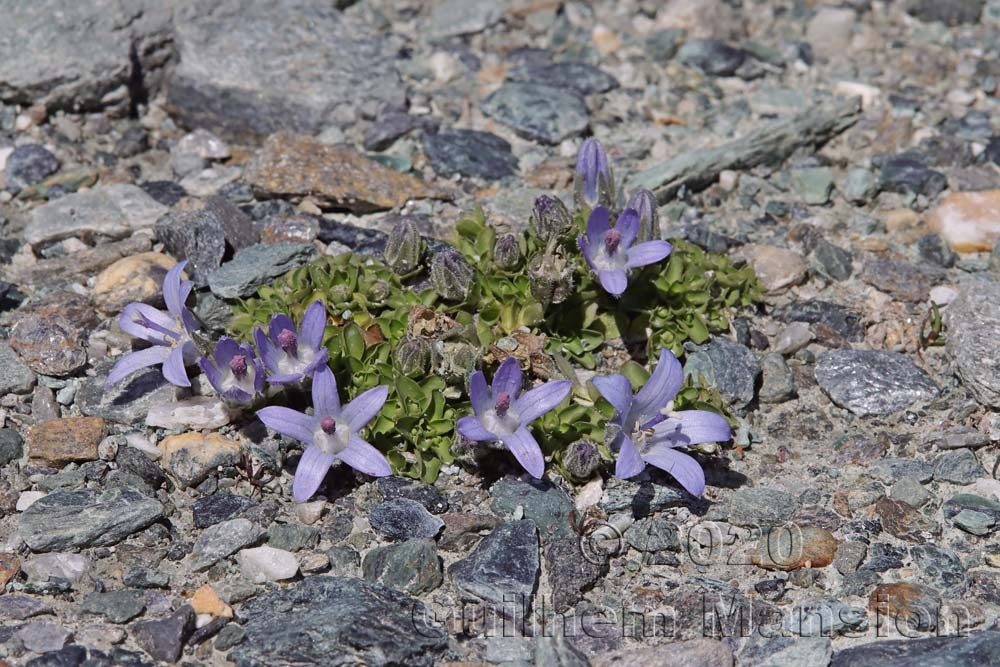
(169, 332)
(330, 433)
(236, 372)
(651, 432)
(610, 251)
(291, 354)
(501, 415)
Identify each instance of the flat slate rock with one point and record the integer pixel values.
(580, 77)
(973, 340)
(334, 176)
(538, 111)
(729, 367)
(978, 650)
(127, 402)
(68, 520)
(873, 382)
(503, 568)
(114, 211)
(340, 622)
(257, 265)
(249, 69)
(470, 153)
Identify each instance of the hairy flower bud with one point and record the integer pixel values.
(403, 247)
(644, 203)
(413, 357)
(507, 252)
(455, 360)
(551, 279)
(593, 182)
(581, 460)
(451, 275)
(550, 218)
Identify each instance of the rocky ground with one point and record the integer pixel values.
(848, 151)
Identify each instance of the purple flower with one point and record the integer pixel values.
(169, 332)
(651, 432)
(501, 415)
(330, 433)
(593, 183)
(610, 253)
(236, 373)
(290, 354)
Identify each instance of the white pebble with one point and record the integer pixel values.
(139, 441)
(27, 499)
(262, 564)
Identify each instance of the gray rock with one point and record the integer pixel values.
(255, 266)
(872, 382)
(832, 262)
(451, 18)
(849, 557)
(77, 519)
(49, 567)
(775, 650)
(889, 470)
(470, 153)
(402, 519)
(43, 637)
(114, 211)
(940, 568)
(759, 506)
(144, 577)
(860, 185)
(583, 78)
(537, 111)
(210, 510)
(901, 279)
(229, 636)
(641, 498)
(653, 534)
(79, 56)
(558, 651)
(17, 607)
(247, 70)
(427, 495)
(14, 375)
(934, 249)
(910, 491)
(203, 236)
(502, 570)
(662, 45)
(823, 618)
(571, 571)
(11, 445)
(840, 319)
(412, 566)
(813, 185)
(222, 540)
(968, 501)
(116, 606)
(711, 56)
(976, 523)
(292, 536)
(956, 438)
(541, 501)
(949, 12)
(729, 367)
(347, 622)
(344, 560)
(127, 402)
(981, 648)
(163, 639)
(27, 165)
(778, 384)
(973, 340)
(958, 467)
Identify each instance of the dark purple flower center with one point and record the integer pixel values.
(611, 240)
(328, 424)
(503, 403)
(289, 342)
(238, 365)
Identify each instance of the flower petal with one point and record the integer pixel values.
(629, 463)
(598, 225)
(628, 226)
(470, 427)
(278, 324)
(211, 372)
(507, 378)
(363, 408)
(616, 390)
(266, 349)
(317, 364)
(175, 291)
(613, 282)
(363, 457)
(258, 376)
(313, 325)
(525, 449)
(479, 393)
(326, 402)
(290, 378)
(140, 320)
(587, 250)
(310, 473)
(133, 361)
(691, 427)
(225, 350)
(237, 396)
(684, 468)
(536, 402)
(660, 389)
(173, 369)
(295, 425)
(649, 252)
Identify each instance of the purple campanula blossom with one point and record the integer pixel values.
(291, 354)
(502, 415)
(330, 433)
(169, 332)
(610, 251)
(593, 182)
(236, 372)
(652, 432)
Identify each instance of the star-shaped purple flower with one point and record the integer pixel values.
(651, 432)
(290, 354)
(610, 251)
(169, 332)
(236, 372)
(501, 415)
(330, 433)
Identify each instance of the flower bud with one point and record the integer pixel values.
(413, 357)
(551, 279)
(404, 247)
(550, 218)
(507, 252)
(451, 275)
(379, 290)
(593, 183)
(455, 360)
(581, 460)
(644, 203)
